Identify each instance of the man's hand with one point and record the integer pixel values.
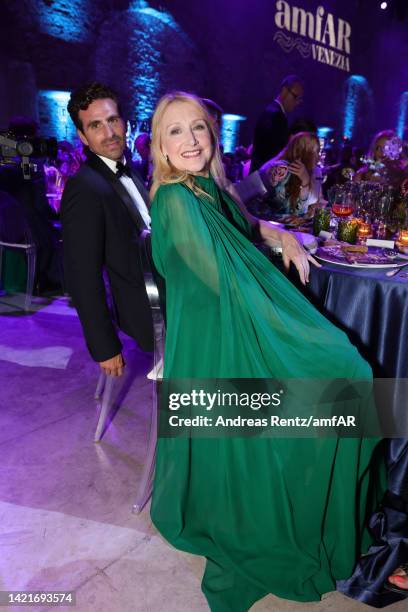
(113, 366)
(292, 251)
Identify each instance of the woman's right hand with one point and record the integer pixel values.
(299, 169)
(293, 252)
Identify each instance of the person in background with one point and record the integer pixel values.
(343, 171)
(356, 158)
(387, 163)
(247, 163)
(234, 170)
(292, 175)
(39, 215)
(57, 172)
(215, 111)
(143, 166)
(272, 128)
(228, 162)
(376, 153)
(69, 159)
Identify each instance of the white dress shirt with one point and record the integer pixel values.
(280, 104)
(131, 188)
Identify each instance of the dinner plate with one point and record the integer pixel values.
(306, 224)
(376, 257)
(276, 223)
(292, 221)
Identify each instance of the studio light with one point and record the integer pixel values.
(383, 5)
(230, 131)
(54, 118)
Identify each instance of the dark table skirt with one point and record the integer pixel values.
(373, 310)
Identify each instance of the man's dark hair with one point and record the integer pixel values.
(213, 108)
(82, 97)
(303, 124)
(290, 80)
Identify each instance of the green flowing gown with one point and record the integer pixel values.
(282, 516)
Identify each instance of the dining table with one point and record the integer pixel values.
(372, 309)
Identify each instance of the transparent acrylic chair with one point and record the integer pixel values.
(15, 235)
(105, 384)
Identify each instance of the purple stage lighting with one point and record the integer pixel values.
(383, 5)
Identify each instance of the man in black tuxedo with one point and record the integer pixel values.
(272, 128)
(104, 215)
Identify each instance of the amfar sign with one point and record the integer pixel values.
(330, 36)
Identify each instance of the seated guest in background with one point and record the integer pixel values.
(57, 172)
(247, 163)
(387, 163)
(272, 128)
(343, 171)
(143, 166)
(228, 162)
(234, 166)
(330, 155)
(292, 176)
(376, 154)
(215, 111)
(69, 159)
(356, 158)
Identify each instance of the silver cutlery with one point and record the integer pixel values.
(397, 271)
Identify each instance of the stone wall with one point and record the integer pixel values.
(223, 49)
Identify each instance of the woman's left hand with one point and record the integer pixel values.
(293, 252)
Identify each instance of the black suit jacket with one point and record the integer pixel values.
(101, 230)
(271, 135)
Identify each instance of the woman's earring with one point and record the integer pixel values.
(166, 157)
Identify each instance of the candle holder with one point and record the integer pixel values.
(402, 242)
(347, 230)
(403, 236)
(321, 220)
(364, 231)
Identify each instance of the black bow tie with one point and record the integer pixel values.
(122, 169)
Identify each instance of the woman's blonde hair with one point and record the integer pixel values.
(386, 135)
(300, 146)
(163, 172)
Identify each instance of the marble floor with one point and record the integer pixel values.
(65, 502)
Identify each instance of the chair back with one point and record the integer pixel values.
(151, 282)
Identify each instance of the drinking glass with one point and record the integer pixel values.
(343, 205)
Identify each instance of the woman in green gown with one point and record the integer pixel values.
(271, 515)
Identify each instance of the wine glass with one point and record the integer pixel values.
(343, 205)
